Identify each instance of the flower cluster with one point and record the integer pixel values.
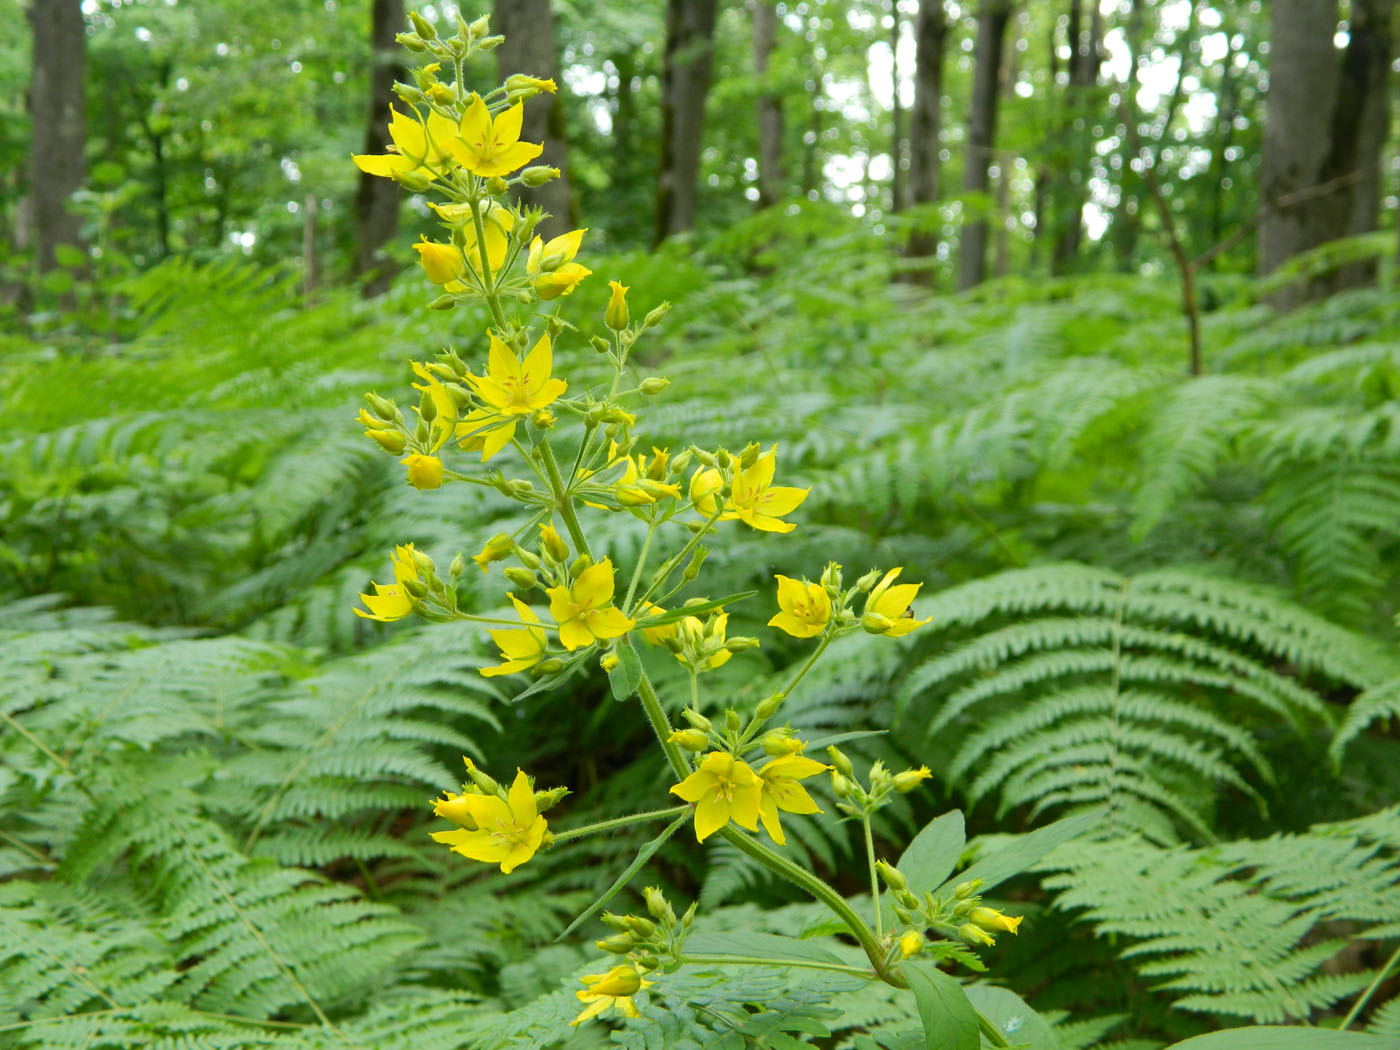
(563, 446)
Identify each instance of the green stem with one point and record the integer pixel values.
(669, 566)
(561, 498)
(754, 960)
(804, 879)
(661, 725)
(502, 623)
(751, 730)
(488, 279)
(874, 879)
(618, 822)
(641, 564)
(1357, 1006)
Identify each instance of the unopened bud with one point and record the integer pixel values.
(840, 761)
(422, 26)
(741, 644)
(490, 43)
(441, 94)
(415, 588)
(482, 779)
(384, 408)
(654, 384)
(614, 922)
(840, 786)
(496, 186)
(723, 459)
(691, 739)
(874, 623)
(910, 779)
(538, 175)
(443, 302)
(546, 800)
(659, 906)
(974, 934)
(831, 580)
(554, 546)
(893, 877)
(963, 890)
(868, 580)
(689, 915)
(617, 944)
(608, 662)
(643, 928)
(906, 898)
(413, 181)
(527, 558)
(779, 742)
(580, 566)
(390, 441)
(458, 564)
(551, 666)
(600, 344)
(696, 719)
(749, 456)
(410, 41)
(522, 578)
(732, 722)
(880, 778)
(648, 961)
(697, 559)
(654, 318)
(427, 408)
(768, 707)
(479, 28)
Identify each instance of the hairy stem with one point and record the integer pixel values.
(618, 822)
(561, 498)
(874, 879)
(753, 960)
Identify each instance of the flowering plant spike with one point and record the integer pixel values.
(498, 398)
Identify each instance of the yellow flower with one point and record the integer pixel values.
(392, 601)
(757, 502)
(723, 789)
(781, 791)
(489, 147)
(704, 484)
(424, 472)
(990, 919)
(911, 942)
(553, 543)
(521, 82)
(635, 488)
(516, 388)
(497, 548)
(496, 220)
(612, 989)
(488, 431)
(519, 649)
(806, 608)
(441, 262)
(584, 611)
(888, 610)
(416, 145)
(656, 635)
(616, 315)
(506, 832)
(910, 779)
(550, 266)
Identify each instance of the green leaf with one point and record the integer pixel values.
(643, 855)
(762, 945)
(1026, 850)
(823, 742)
(950, 1022)
(68, 256)
(627, 675)
(1260, 1037)
(1009, 1012)
(540, 685)
(57, 282)
(933, 853)
(677, 615)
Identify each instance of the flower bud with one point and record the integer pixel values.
(552, 544)
(768, 707)
(893, 877)
(480, 778)
(840, 786)
(410, 41)
(551, 666)
(413, 181)
(874, 623)
(538, 175)
(391, 441)
(696, 719)
(546, 800)
(427, 408)
(580, 566)
(659, 906)
(416, 588)
(654, 384)
(975, 935)
(831, 580)
(490, 43)
(458, 564)
(911, 942)
(479, 28)
(868, 580)
(840, 761)
(689, 916)
(749, 456)
(905, 898)
(519, 488)
(527, 558)
(991, 920)
(496, 186)
(963, 890)
(617, 316)
(441, 94)
(741, 644)
(723, 459)
(732, 722)
(645, 929)
(497, 548)
(617, 944)
(691, 739)
(600, 344)
(614, 922)
(779, 742)
(520, 577)
(384, 408)
(648, 961)
(425, 29)
(519, 83)
(654, 318)
(692, 568)
(910, 779)
(424, 472)
(543, 418)
(443, 302)
(608, 662)
(880, 778)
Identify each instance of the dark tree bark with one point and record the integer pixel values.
(992, 17)
(685, 83)
(1325, 124)
(377, 201)
(1086, 55)
(899, 190)
(1010, 70)
(926, 123)
(528, 26)
(772, 175)
(56, 163)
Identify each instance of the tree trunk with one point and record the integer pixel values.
(1010, 70)
(528, 26)
(1323, 130)
(685, 83)
(931, 39)
(899, 192)
(1086, 54)
(772, 177)
(56, 163)
(377, 201)
(992, 17)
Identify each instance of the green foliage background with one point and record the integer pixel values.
(1164, 596)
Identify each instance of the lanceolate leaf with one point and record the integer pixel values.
(950, 1022)
(643, 855)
